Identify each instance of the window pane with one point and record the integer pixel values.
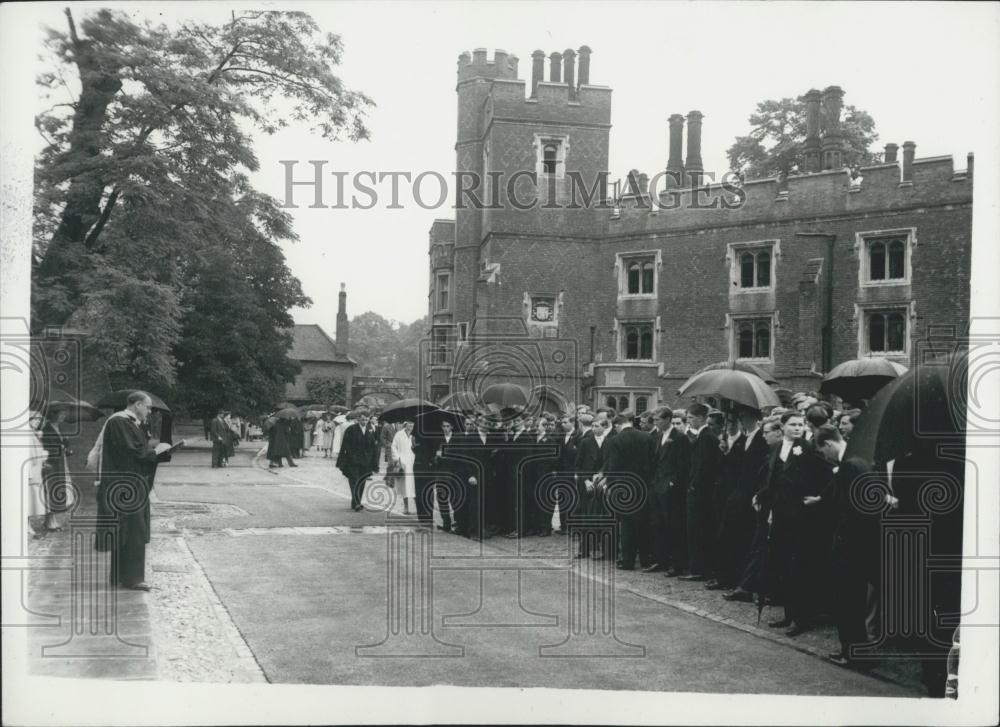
(876, 332)
(631, 343)
(633, 278)
(895, 333)
(746, 342)
(897, 255)
(763, 348)
(622, 403)
(611, 401)
(876, 265)
(746, 270)
(763, 270)
(647, 277)
(641, 404)
(549, 158)
(646, 344)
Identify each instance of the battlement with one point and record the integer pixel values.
(476, 65)
(927, 182)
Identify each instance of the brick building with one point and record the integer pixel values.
(620, 298)
(321, 356)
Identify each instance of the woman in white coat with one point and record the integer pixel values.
(402, 456)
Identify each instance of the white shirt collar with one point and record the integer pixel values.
(696, 432)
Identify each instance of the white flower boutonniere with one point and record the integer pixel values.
(796, 450)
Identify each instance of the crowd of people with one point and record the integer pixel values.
(759, 508)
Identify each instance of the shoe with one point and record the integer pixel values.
(139, 587)
(714, 586)
(691, 577)
(797, 629)
(740, 596)
(654, 568)
(780, 624)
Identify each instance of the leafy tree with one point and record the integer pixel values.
(141, 191)
(327, 390)
(386, 347)
(775, 143)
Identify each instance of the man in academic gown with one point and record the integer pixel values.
(128, 464)
(507, 503)
(706, 459)
(669, 474)
(628, 463)
(569, 444)
(479, 448)
(451, 478)
(590, 458)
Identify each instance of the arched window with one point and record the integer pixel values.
(622, 403)
(641, 404)
(632, 343)
(646, 343)
(753, 338)
(746, 270)
(762, 342)
(633, 278)
(876, 261)
(763, 270)
(611, 401)
(876, 332)
(550, 158)
(897, 258)
(895, 332)
(746, 340)
(647, 277)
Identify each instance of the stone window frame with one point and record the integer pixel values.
(733, 322)
(735, 250)
(622, 260)
(621, 342)
(562, 154)
(652, 399)
(862, 245)
(861, 314)
(438, 308)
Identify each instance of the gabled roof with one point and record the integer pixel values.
(311, 343)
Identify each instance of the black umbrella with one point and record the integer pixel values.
(430, 422)
(926, 403)
(76, 411)
(860, 378)
(736, 386)
(407, 410)
(506, 395)
(287, 413)
(741, 366)
(118, 400)
(461, 401)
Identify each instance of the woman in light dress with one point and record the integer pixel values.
(325, 440)
(402, 457)
(35, 505)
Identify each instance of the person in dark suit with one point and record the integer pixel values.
(705, 464)
(539, 504)
(669, 474)
(296, 436)
(799, 540)
(855, 538)
(219, 433)
(742, 466)
(510, 498)
(452, 478)
(278, 447)
(628, 465)
(590, 459)
(679, 463)
(55, 471)
(569, 445)
(480, 450)
(354, 459)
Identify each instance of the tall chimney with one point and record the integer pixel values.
(585, 65)
(500, 61)
(832, 143)
(813, 146)
(343, 327)
(693, 163)
(569, 70)
(909, 149)
(675, 165)
(555, 67)
(537, 71)
(512, 60)
(890, 153)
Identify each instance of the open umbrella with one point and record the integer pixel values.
(506, 395)
(287, 413)
(460, 401)
(117, 400)
(737, 386)
(337, 409)
(407, 410)
(923, 405)
(740, 366)
(430, 422)
(860, 378)
(76, 411)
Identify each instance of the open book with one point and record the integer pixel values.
(164, 447)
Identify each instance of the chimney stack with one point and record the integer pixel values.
(537, 71)
(569, 70)
(500, 61)
(693, 163)
(479, 56)
(343, 327)
(512, 60)
(555, 67)
(909, 149)
(832, 143)
(890, 153)
(585, 65)
(675, 165)
(813, 145)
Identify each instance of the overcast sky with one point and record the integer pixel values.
(926, 72)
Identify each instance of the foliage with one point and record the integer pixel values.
(774, 146)
(147, 231)
(327, 390)
(386, 347)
